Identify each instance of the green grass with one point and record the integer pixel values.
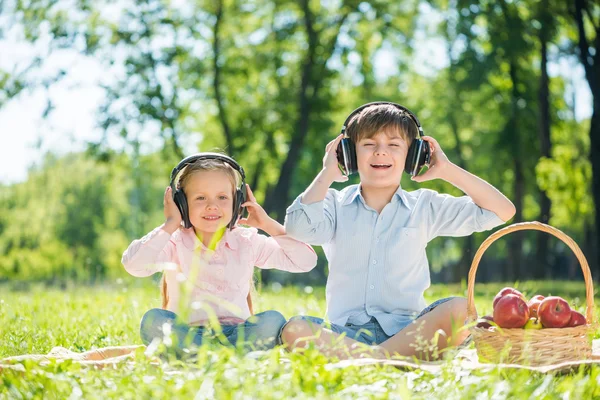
(34, 319)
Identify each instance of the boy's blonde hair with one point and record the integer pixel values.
(205, 164)
(380, 117)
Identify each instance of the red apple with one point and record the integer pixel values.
(554, 312)
(504, 292)
(484, 322)
(511, 311)
(577, 319)
(534, 304)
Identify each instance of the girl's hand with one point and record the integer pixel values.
(438, 165)
(171, 211)
(257, 216)
(330, 162)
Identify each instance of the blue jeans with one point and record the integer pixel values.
(259, 332)
(369, 333)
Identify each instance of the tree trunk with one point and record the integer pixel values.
(256, 174)
(515, 241)
(277, 201)
(542, 259)
(591, 65)
(589, 248)
(313, 73)
(595, 158)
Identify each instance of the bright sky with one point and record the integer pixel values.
(25, 135)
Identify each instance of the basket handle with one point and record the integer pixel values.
(538, 226)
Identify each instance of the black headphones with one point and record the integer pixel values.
(418, 155)
(179, 196)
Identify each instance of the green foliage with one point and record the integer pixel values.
(567, 177)
(70, 219)
(270, 82)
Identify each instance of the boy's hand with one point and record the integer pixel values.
(257, 216)
(330, 163)
(172, 214)
(438, 164)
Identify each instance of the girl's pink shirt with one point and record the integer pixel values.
(218, 281)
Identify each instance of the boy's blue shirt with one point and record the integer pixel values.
(377, 262)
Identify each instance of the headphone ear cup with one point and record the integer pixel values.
(352, 157)
(339, 152)
(238, 210)
(241, 199)
(412, 157)
(242, 194)
(418, 155)
(181, 202)
(346, 155)
(425, 157)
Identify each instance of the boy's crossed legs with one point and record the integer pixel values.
(443, 318)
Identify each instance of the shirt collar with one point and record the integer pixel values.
(191, 241)
(355, 192)
(351, 195)
(401, 194)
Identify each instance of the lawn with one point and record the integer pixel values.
(34, 319)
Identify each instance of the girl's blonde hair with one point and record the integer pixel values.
(205, 164)
(208, 164)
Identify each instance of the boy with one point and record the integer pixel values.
(374, 236)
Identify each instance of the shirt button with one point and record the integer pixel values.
(374, 261)
(372, 287)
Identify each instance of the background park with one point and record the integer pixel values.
(99, 100)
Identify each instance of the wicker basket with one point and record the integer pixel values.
(530, 346)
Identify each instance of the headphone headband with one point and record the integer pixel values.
(208, 156)
(375, 103)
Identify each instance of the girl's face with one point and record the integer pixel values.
(209, 196)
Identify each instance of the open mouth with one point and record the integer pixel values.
(381, 166)
(211, 217)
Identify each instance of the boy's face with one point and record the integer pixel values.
(209, 196)
(381, 158)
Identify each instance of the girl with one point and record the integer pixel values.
(208, 260)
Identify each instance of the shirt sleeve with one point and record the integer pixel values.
(458, 216)
(311, 223)
(150, 254)
(282, 252)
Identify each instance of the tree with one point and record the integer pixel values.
(545, 35)
(588, 49)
